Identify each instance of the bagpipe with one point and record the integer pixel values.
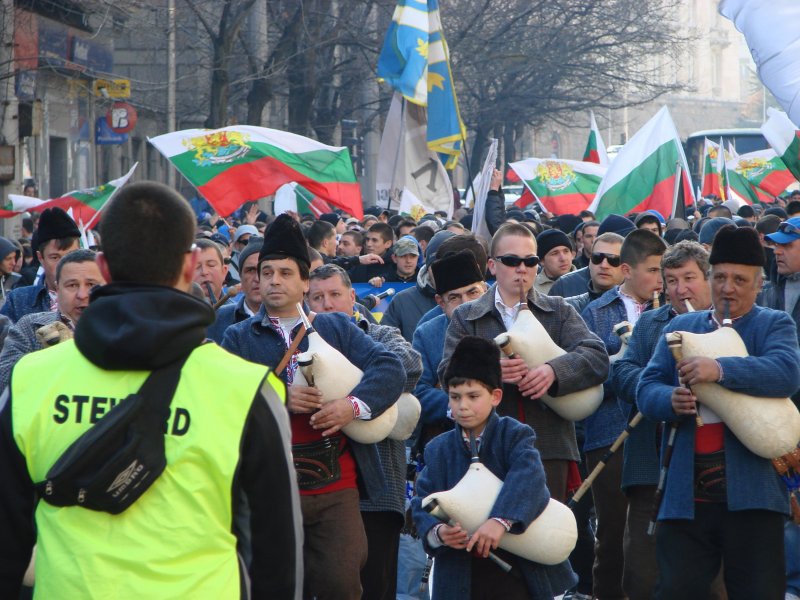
(324, 367)
(528, 339)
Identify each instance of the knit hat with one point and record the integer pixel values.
(433, 245)
(687, 234)
(475, 358)
(284, 239)
(737, 245)
(616, 224)
(454, 271)
(7, 247)
(254, 245)
(711, 227)
(567, 223)
(649, 217)
(54, 224)
(778, 211)
(331, 218)
(549, 239)
(244, 230)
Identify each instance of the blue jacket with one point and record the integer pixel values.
(227, 315)
(571, 284)
(605, 425)
(429, 342)
(771, 370)
(258, 341)
(507, 450)
(26, 300)
(641, 464)
(431, 314)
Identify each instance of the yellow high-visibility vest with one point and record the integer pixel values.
(175, 541)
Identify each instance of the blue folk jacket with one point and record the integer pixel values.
(640, 465)
(507, 450)
(608, 421)
(258, 341)
(772, 370)
(26, 300)
(429, 342)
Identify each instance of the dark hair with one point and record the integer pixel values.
(60, 244)
(678, 255)
(422, 233)
(358, 239)
(404, 223)
(509, 229)
(76, 256)
(639, 245)
(27, 224)
(793, 207)
(586, 213)
(205, 244)
(715, 211)
(467, 241)
(147, 229)
(331, 270)
(456, 381)
(384, 230)
(768, 224)
(319, 232)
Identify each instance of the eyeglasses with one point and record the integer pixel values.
(613, 259)
(510, 260)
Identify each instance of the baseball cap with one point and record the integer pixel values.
(788, 231)
(405, 246)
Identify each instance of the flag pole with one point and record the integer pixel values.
(469, 171)
(677, 189)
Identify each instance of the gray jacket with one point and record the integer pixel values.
(22, 340)
(585, 364)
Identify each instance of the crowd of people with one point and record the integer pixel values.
(265, 494)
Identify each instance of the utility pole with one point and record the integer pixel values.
(171, 124)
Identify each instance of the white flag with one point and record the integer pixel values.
(481, 186)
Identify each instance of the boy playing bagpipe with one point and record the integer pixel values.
(505, 446)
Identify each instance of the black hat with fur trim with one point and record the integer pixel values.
(284, 239)
(54, 224)
(454, 271)
(475, 358)
(737, 245)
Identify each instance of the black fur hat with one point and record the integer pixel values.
(454, 271)
(475, 358)
(737, 245)
(54, 224)
(284, 239)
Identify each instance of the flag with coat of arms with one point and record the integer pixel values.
(415, 61)
(561, 186)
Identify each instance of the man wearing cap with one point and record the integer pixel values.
(556, 258)
(458, 280)
(330, 290)
(332, 469)
(650, 220)
(405, 256)
(710, 228)
(250, 301)
(722, 503)
(56, 235)
(9, 253)
(334, 219)
(240, 241)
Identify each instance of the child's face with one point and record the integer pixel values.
(471, 404)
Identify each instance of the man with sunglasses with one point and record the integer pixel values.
(640, 257)
(605, 269)
(513, 262)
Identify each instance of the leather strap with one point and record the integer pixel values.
(293, 346)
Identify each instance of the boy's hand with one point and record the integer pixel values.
(486, 538)
(454, 536)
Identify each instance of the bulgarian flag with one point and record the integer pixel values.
(18, 204)
(642, 176)
(85, 204)
(233, 165)
(710, 180)
(561, 186)
(784, 138)
(764, 170)
(296, 198)
(595, 148)
(743, 191)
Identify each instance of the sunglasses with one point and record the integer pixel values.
(787, 227)
(510, 260)
(614, 260)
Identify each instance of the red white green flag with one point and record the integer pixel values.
(233, 165)
(561, 186)
(85, 204)
(642, 176)
(784, 138)
(764, 170)
(711, 170)
(296, 198)
(18, 204)
(595, 148)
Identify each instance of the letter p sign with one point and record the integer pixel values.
(121, 117)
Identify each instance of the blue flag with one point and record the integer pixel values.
(415, 61)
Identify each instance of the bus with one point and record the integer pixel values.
(742, 140)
